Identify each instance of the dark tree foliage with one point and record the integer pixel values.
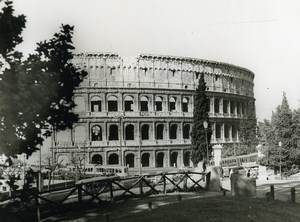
(284, 128)
(248, 131)
(198, 135)
(37, 92)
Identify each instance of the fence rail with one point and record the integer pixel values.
(114, 188)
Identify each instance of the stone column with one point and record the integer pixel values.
(230, 133)
(217, 150)
(221, 106)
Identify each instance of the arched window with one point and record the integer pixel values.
(129, 132)
(225, 105)
(217, 106)
(128, 103)
(173, 131)
(113, 159)
(145, 132)
(185, 104)
(218, 131)
(113, 132)
(158, 103)
(238, 108)
(145, 159)
(144, 103)
(234, 132)
(186, 158)
(186, 131)
(160, 132)
(96, 133)
(97, 159)
(226, 133)
(129, 160)
(173, 161)
(160, 160)
(232, 107)
(96, 104)
(112, 103)
(172, 104)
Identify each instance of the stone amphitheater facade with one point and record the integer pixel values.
(144, 106)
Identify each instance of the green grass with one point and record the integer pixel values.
(219, 209)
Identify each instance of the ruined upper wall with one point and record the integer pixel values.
(158, 71)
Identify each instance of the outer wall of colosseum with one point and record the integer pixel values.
(146, 103)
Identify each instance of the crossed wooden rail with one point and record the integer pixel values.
(114, 188)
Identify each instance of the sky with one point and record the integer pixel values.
(261, 35)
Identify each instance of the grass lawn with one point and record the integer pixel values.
(219, 209)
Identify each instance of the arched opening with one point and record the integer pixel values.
(158, 103)
(160, 160)
(174, 157)
(112, 104)
(129, 132)
(225, 105)
(129, 160)
(113, 159)
(232, 107)
(186, 131)
(128, 104)
(218, 131)
(186, 159)
(145, 132)
(217, 106)
(234, 132)
(173, 131)
(144, 103)
(113, 132)
(145, 160)
(172, 104)
(96, 104)
(79, 134)
(97, 159)
(226, 133)
(96, 133)
(160, 132)
(185, 104)
(238, 108)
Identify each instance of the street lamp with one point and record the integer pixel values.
(280, 144)
(205, 125)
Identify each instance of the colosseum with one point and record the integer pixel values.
(143, 106)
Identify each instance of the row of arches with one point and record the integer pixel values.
(229, 106)
(130, 104)
(129, 133)
(130, 159)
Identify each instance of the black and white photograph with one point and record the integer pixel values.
(149, 110)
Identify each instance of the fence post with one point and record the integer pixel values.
(141, 185)
(150, 205)
(207, 180)
(272, 193)
(111, 192)
(293, 195)
(185, 182)
(38, 209)
(165, 185)
(79, 187)
(107, 217)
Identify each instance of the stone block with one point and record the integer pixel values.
(241, 185)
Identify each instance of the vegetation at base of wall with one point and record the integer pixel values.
(283, 127)
(248, 132)
(35, 92)
(200, 137)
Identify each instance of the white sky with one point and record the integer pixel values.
(263, 36)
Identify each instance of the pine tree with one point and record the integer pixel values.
(284, 128)
(248, 131)
(198, 135)
(37, 92)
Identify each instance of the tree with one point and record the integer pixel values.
(248, 131)
(198, 135)
(37, 92)
(284, 128)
